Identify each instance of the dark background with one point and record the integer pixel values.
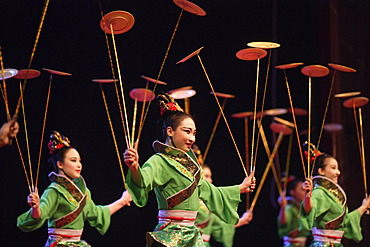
(312, 32)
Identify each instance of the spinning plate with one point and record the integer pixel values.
(288, 66)
(333, 127)
(263, 45)
(104, 80)
(251, 54)
(355, 102)
(190, 55)
(183, 94)
(121, 22)
(153, 80)
(23, 74)
(8, 73)
(347, 94)
(142, 94)
(315, 71)
(190, 7)
(276, 111)
(341, 67)
(223, 95)
(56, 72)
(278, 128)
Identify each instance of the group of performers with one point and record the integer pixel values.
(191, 209)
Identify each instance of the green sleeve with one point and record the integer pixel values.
(48, 206)
(153, 174)
(352, 226)
(98, 216)
(222, 232)
(292, 221)
(222, 201)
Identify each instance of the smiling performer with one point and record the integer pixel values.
(324, 208)
(66, 203)
(177, 179)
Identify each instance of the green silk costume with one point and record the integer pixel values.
(211, 225)
(56, 202)
(168, 173)
(292, 223)
(326, 206)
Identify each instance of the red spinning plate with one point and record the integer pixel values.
(278, 128)
(333, 127)
(190, 7)
(288, 66)
(298, 111)
(315, 71)
(275, 112)
(247, 114)
(251, 54)
(8, 73)
(355, 102)
(23, 74)
(142, 94)
(104, 80)
(153, 80)
(190, 55)
(283, 121)
(223, 95)
(263, 45)
(341, 67)
(121, 22)
(183, 94)
(347, 94)
(55, 72)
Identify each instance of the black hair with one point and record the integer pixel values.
(58, 155)
(320, 163)
(171, 119)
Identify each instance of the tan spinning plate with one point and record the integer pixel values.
(276, 111)
(288, 66)
(315, 71)
(223, 95)
(190, 55)
(153, 80)
(355, 102)
(333, 127)
(347, 94)
(27, 74)
(104, 80)
(142, 94)
(341, 67)
(56, 72)
(278, 128)
(251, 54)
(8, 73)
(183, 94)
(190, 7)
(121, 22)
(263, 45)
(180, 89)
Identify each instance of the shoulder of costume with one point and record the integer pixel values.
(329, 187)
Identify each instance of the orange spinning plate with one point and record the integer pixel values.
(341, 67)
(183, 94)
(190, 7)
(142, 94)
(153, 80)
(251, 54)
(298, 111)
(56, 72)
(333, 127)
(263, 45)
(283, 121)
(121, 22)
(23, 74)
(355, 102)
(8, 73)
(190, 55)
(276, 111)
(347, 94)
(223, 95)
(278, 128)
(242, 114)
(104, 80)
(288, 66)
(315, 71)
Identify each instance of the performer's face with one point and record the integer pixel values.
(207, 173)
(331, 169)
(184, 136)
(71, 165)
(298, 192)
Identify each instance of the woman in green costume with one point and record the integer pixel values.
(177, 180)
(212, 226)
(66, 203)
(288, 218)
(324, 209)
